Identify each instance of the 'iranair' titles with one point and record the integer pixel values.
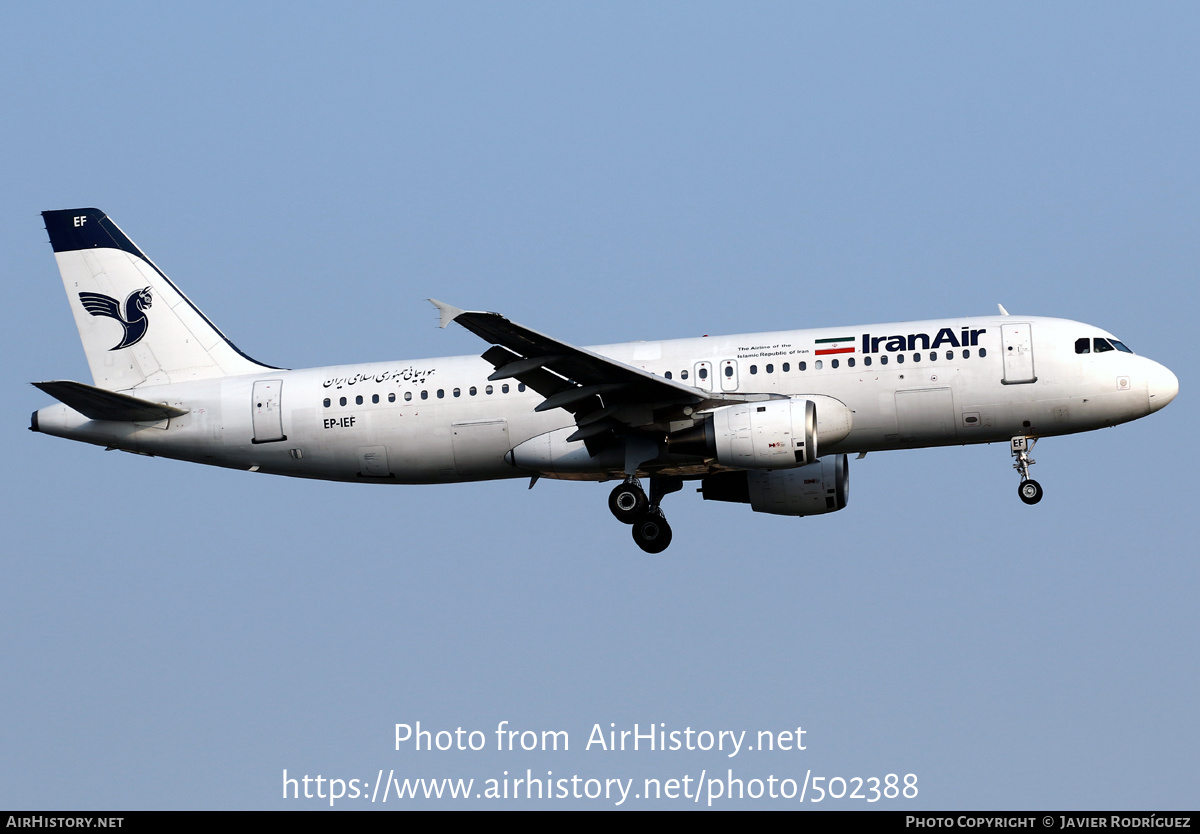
(946, 337)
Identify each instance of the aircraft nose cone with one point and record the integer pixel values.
(1162, 386)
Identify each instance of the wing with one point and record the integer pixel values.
(604, 395)
(101, 305)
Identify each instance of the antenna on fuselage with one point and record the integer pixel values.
(1003, 312)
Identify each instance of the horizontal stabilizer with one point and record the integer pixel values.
(100, 404)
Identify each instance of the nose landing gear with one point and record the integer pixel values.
(628, 502)
(1029, 490)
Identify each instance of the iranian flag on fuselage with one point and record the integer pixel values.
(838, 344)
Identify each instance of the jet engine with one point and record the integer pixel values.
(774, 434)
(820, 487)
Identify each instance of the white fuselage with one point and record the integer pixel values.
(913, 384)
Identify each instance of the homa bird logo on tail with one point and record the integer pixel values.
(134, 319)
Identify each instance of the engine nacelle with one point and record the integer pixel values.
(819, 487)
(773, 434)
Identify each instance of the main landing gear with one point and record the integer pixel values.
(1029, 490)
(630, 505)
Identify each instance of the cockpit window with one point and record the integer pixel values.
(1098, 345)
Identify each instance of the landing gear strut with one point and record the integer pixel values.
(1029, 490)
(630, 505)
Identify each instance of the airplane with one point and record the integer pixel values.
(765, 419)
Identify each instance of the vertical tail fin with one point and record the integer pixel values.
(136, 326)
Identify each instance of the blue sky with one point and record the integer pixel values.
(176, 637)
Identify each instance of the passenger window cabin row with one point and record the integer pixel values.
(360, 399)
(851, 362)
(702, 373)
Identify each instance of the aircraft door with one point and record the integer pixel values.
(1016, 342)
(703, 371)
(267, 411)
(729, 375)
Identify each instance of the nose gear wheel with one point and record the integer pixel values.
(1030, 491)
